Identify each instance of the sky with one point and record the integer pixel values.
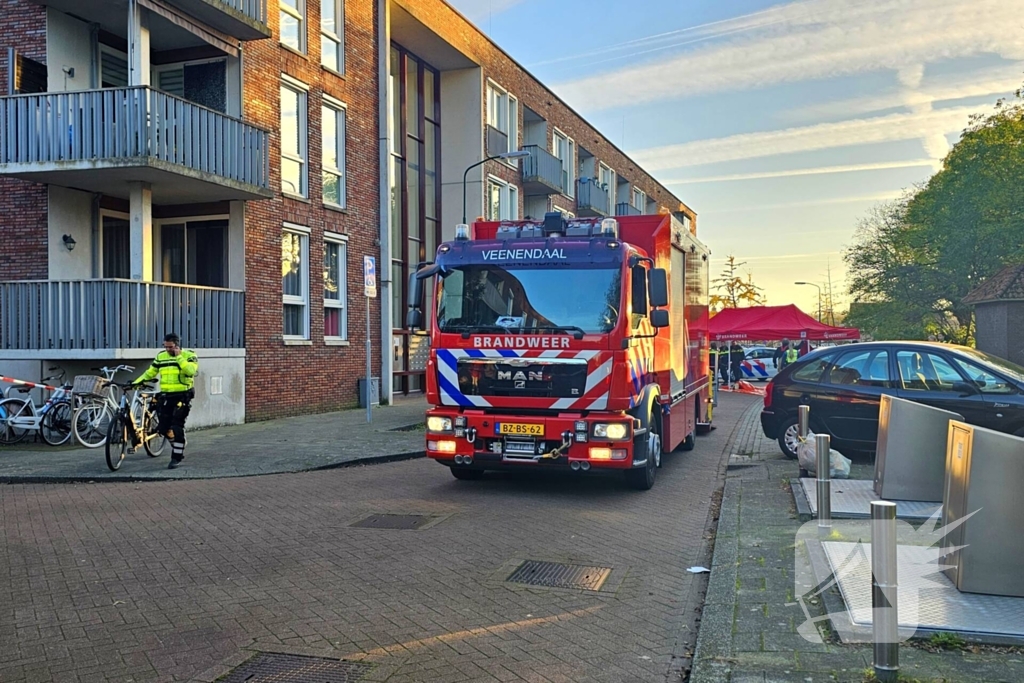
(780, 123)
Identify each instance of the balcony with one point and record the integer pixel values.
(79, 318)
(101, 140)
(542, 173)
(497, 141)
(242, 19)
(591, 199)
(627, 209)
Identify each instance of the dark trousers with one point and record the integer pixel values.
(173, 410)
(723, 371)
(737, 371)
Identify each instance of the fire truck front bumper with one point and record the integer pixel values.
(567, 442)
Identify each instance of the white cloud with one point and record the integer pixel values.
(891, 128)
(789, 173)
(817, 39)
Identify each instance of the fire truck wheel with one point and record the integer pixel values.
(648, 444)
(466, 475)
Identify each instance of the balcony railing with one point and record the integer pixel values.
(627, 209)
(63, 315)
(497, 141)
(542, 172)
(591, 199)
(99, 128)
(243, 19)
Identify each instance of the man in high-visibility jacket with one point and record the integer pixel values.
(177, 368)
(791, 356)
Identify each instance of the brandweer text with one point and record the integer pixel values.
(531, 342)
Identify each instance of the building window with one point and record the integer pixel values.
(194, 252)
(502, 200)
(116, 248)
(639, 200)
(295, 282)
(565, 150)
(294, 139)
(293, 24)
(333, 153)
(335, 290)
(607, 179)
(503, 115)
(332, 35)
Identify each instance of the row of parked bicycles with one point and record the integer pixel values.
(95, 411)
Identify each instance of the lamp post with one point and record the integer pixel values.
(819, 295)
(518, 154)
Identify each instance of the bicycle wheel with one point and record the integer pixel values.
(10, 409)
(155, 443)
(117, 440)
(90, 424)
(55, 427)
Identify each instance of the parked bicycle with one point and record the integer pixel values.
(134, 424)
(100, 399)
(19, 416)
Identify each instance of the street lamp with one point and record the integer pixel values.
(819, 295)
(518, 154)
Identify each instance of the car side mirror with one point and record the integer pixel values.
(659, 318)
(966, 389)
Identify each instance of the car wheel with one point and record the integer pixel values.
(789, 435)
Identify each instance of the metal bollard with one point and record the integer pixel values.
(803, 420)
(822, 446)
(884, 612)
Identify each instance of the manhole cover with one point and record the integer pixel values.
(276, 668)
(556, 575)
(394, 522)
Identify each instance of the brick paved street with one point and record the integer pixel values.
(179, 580)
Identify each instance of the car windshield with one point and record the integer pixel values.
(1014, 371)
(484, 298)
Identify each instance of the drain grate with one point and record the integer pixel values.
(394, 522)
(557, 575)
(267, 667)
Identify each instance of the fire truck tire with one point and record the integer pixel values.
(648, 444)
(466, 475)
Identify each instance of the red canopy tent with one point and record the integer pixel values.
(774, 322)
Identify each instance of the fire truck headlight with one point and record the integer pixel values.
(611, 431)
(439, 424)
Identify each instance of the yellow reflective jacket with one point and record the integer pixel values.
(177, 373)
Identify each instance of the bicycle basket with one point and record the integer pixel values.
(89, 385)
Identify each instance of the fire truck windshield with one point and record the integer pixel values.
(489, 298)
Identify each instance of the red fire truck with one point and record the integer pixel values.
(576, 344)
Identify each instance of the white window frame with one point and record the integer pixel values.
(564, 212)
(302, 130)
(637, 192)
(568, 165)
(339, 37)
(508, 202)
(506, 119)
(341, 302)
(301, 15)
(340, 110)
(303, 300)
(513, 128)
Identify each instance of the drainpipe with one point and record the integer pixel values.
(387, 352)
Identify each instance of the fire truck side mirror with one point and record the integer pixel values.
(659, 318)
(658, 286)
(414, 319)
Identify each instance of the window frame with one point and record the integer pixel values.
(637, 192)
(964, 366)
(301, 12)
(302, 130)
(341, 303)
(871, 357)
(924, 352)
(568, 165)
(507, 117)
(337, 37)
(304, 234)
(508, 198)
(340, 111)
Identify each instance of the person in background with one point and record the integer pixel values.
(713, 358)
(791, 356)
(805, 348)
(779, 353)
(736, 361)
(723, 362)
(176, 367)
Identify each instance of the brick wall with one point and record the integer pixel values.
(23, 230)
(286, 379)
(503, 70)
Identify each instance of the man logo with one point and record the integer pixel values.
(520, 376)
(504, 374)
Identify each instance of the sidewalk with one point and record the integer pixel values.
(748, 628)
(307, 442)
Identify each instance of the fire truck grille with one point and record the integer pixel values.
(561, 380)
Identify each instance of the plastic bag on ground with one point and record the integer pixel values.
(807, 456)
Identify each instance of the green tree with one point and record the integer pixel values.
(917, 257)
(731, 290)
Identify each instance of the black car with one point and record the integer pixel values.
(843, 386)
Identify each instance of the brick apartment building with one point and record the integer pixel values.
(221, 168)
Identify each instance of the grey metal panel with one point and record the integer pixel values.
(910, 463)
(984, 472)
(851, 499)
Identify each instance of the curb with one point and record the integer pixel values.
(123, 478)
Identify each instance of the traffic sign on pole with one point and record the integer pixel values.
(370, 277)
